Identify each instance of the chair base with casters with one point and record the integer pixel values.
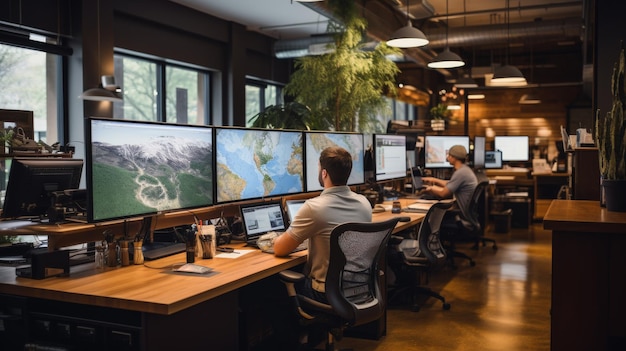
(484, 241)
(354, 281)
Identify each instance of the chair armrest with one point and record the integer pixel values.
(290, 276)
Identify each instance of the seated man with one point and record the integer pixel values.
(461, 185)
(318, 216)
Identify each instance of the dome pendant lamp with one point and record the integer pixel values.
(407, 36)
(446, 59)
(508, 75)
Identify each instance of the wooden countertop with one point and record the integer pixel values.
(159, 290)
(583, 216)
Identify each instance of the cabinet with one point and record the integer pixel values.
(548, 187)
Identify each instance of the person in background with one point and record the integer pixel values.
(462, 183)
(318, 216)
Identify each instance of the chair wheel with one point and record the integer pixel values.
(446, 306)
(472, 263)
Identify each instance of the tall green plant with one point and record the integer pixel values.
(610, 131)
(345, 88)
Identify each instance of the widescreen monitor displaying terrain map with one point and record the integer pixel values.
(138, 168)
(315, 142)
(257, 163)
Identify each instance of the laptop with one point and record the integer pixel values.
(292, 208)
(261, 218)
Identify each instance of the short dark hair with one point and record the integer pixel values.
(337, 162)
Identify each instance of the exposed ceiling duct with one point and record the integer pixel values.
(314, 45)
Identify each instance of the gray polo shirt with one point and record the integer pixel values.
(316, 219)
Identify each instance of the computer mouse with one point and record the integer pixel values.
(378, 209)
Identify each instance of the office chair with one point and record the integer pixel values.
(415, 256)
(354, 281)
(466, 227)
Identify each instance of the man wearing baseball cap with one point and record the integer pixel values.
(461, 184)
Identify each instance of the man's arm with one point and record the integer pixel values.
(284, 244)
(439, 191)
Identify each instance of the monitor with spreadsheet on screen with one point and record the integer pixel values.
(140, 168)
(436, 149)
(390, 156)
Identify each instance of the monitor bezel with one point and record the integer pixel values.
(21, 175)
(89, 122)
(400, 138)
(428, 138)
(260, 130)
(313, 163)
(482, 152)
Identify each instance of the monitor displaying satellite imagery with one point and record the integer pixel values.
(315, 142)
(255, 163)
(138, 168)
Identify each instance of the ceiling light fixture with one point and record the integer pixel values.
(106, 90)
(475, 96)
(529, 99)
(466, 82)
(446, 59)
(507, 74)
(408, 36)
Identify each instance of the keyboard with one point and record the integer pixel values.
(301, 247)
(158, 250)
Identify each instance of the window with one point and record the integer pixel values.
(29, 82)
(156, 91)
(260, 95)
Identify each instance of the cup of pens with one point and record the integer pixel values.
(207, 240)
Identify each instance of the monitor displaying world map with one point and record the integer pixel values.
(254, 163)
(315, 142)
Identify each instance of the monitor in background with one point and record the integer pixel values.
(256, 163)
(292, 207)
(138, 168)
(479, 152)
(436, 149)
(315, 142)
(514, 148)
(32, 181)
(493, 159)
(390, 156)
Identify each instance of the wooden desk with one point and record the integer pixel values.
(588, 270)
(167, 307)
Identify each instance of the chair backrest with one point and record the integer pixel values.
(428, 243)
(470, 216)
(353, 284)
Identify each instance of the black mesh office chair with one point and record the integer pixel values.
(415, 258)
(354, 282)
(466, 227)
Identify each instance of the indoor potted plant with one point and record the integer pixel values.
(611, 141)
(438, 113)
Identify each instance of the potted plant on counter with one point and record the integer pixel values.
(611, 138)
(438, 113)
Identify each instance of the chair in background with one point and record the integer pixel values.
(414, 258)
(466, 227)
(354, 282)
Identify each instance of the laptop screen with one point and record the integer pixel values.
(261, 218)
(292, 208)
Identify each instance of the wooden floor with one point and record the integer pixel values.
(502, 303)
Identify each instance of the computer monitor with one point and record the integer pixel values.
(256, 163)
(33, 180)
(514, 148)
(436, 149)
(479, 152)
(140, 168)
(315, 142)
(390, 156)
(493, 159)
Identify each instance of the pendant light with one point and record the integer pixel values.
(530, 99)
(507, 75)
(106, 90)
(407, 36)
(446, 59)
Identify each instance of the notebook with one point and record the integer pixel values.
(292, 208)
(261, 218)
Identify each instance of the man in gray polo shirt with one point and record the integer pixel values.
(318, 216)
(462, 183)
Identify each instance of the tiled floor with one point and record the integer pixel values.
(502, 303)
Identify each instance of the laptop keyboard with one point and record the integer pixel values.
(298, 248)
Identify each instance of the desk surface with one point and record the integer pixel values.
(159, 290)
(583, 216)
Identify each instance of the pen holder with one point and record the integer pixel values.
(208, 245)
(137, 252)
(190, 248)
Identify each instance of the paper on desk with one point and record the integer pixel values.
(420, 206)
(235, 254)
